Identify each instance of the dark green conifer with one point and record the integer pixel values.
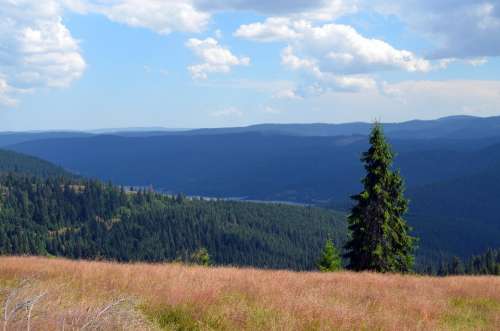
(380, 239)
(330, 258)
(456, 267)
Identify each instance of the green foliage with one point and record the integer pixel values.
(28, 165)
(330, 259)
(90, 219)
(484, 264)
(471, 314)
(176, 318)
(201, 257)
(380, 239)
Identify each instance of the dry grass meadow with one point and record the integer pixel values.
(57, 294)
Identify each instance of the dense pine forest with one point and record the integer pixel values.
(90, 219)
(29, 165)
(484, 264)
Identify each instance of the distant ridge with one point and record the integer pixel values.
(447, 127)
(136, 129)
(451, 127)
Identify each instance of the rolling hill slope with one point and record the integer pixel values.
(452, 180)
(28, 165)
(89, 219)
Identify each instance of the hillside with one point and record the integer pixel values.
(258, 166)
(89, 219)
(11, 138)
(456, 173)
(105, 296)
(28, 165)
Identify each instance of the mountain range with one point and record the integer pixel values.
(450, 166)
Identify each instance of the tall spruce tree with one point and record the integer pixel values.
(380, 239)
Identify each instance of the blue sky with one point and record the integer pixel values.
(88, 64)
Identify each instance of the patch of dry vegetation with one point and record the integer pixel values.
(108, 296)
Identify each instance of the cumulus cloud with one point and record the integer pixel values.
(215, 58)
(165, 16)
(161, 16)
(335, 47)
(335, 55)
(37, 50)
(271, 30)
(459, 28)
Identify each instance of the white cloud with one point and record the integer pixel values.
(273, 29)
(409, 100)
(453, 88)
(299, 9)
(37, 50)
(473, 97)
(335, 55)
(161, 16)
(458, 28)
(5, 92)
(215, 58)
(288, 93)
(228, 112)
(336, 47)
(166, 16)
(478, 61)
(330, 10)
(272, 110)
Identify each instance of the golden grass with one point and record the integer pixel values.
(178, 297)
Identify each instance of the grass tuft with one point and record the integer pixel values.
(171, 318)
(472, 314)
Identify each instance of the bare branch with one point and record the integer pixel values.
(29, 306)
(100, 313)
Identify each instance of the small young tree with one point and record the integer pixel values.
(456, 267)
(330, 258)
(201, 257)
(380, 239)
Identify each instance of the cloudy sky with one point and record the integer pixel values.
(85, 64)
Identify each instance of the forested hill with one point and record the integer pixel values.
(28, 165)
(457, 173)
(89, 219)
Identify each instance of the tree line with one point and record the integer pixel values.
(487, 263)
(93, 220)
